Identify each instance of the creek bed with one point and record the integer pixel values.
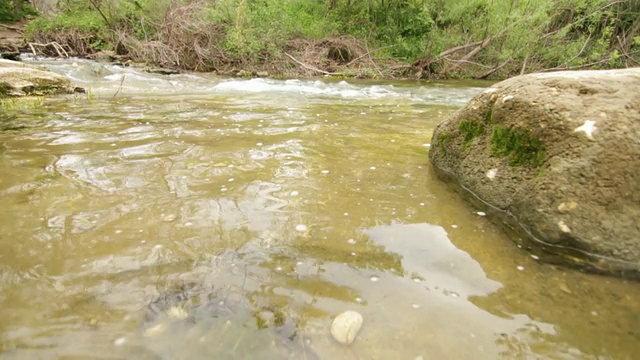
(295, 199)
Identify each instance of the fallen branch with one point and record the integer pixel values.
(580, 52)
(12, 28)
(458, 48)
(603, 61)
(57, 47)
(473, 52)
(488, 73)
(467, 62)
(309, 67)
(371, 60)
(524, 64)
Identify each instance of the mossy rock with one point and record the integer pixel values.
(530, 145)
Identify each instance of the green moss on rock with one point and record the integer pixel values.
(470, 130)
(443, 141)
(517, 145)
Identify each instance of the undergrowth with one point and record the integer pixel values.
(379, 38)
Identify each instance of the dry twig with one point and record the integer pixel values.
(309, 67)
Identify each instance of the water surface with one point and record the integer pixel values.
(197, 217)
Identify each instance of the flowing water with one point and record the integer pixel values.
(197, 217)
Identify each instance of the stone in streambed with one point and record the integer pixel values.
(556, 158)
(20, 80)
(345, 326)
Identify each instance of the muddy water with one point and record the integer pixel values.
(194, 217)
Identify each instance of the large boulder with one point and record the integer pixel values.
(556, 157)
(17, 79)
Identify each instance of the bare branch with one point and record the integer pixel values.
(309, 67)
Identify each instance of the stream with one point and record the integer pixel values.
(193, 216)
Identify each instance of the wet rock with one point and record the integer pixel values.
(161, 71)
(22, 81)
(11, 63)
(222, 323)
(345, 326)
(556, 157)
(10, 55)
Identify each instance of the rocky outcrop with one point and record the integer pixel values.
(556, 157)
(17, 79)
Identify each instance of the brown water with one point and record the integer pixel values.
(192, 217)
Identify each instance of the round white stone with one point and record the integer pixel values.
(345, 326)
(301, 228)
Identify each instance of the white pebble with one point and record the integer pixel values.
(535, 257)
(158, 246)
(520, 267)
(454, 226)
(325, 171)
(481, 213)
(374, 278)
(351, 241)
(345, 326)
(231, 179)
(416, 306)
(426, 145)
(301, 228)
(294, 193)
(372, 168)
(120, 341)
(259, 144)
(346, 214)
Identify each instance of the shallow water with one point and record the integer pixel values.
(196, 217)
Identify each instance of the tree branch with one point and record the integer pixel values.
(309, 67)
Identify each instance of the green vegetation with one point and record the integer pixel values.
(443, 141)
(518, 145)
(470, 130)
(379, 38)
(15, 10)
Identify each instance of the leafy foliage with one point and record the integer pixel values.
(452, 38)
(15, 10)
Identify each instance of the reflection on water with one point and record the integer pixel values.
(193, 217)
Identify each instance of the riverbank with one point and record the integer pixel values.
(385, 40)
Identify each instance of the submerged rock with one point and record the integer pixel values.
(21, 80)
(345, 326)
(222, 323)
(554, 156)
